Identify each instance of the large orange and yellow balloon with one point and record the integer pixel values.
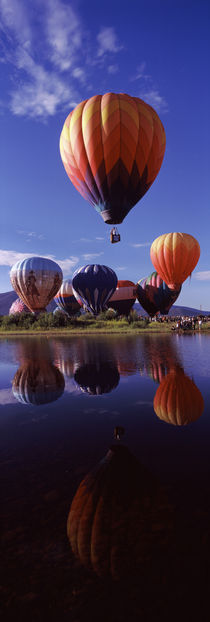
(112, 147)
(174, 256)
(178, 400)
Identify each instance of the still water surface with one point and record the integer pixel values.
(138, 539)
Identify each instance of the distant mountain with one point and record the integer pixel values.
(174, 311)
(8, 298)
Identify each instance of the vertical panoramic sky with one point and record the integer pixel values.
(54, 54)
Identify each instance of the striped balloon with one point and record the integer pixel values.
(174, 256)
(154, 295)
(18, 306)
(94, 284)
(66, 300)
(124, 297)
(112, 147)
(36, 280)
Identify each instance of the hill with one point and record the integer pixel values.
(175, 311)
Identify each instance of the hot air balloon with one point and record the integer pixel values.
(178, 400)
(94, 284)
(119, 517)
(37, 382)
(112, 147)
(36, 280)
(174, 256)
(97, 378)
(18, 306)
(66, 300)
(124, 297)
(154, 295)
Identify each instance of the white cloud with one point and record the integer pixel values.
(118, 268)
(203, 276)
(141, 245)
(64, 33)
(108, 42)
(9, 258)
(98, 238)
(154, 99)
(89, 256)
(14, 17)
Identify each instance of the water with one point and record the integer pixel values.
(139, 528)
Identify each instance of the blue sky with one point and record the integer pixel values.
(56, 53)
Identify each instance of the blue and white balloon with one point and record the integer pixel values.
(94, 284)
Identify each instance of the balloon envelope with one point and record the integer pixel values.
(94, 284)
(66, 300)
(174, 256)
(36, 280)
(154, 295)
(124, 297)
(18, 306)
(112, 147)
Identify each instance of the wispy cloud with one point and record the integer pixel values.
(140, 73)
(118, 268)
(148, 91)
(140, 245)
(31, 234)
(41, 52)
(89, 256)
(113, 69)
(64, 33)
(108, 41)
(202, 276)
(154, 99)
(10, 257)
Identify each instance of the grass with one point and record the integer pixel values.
(96, 326)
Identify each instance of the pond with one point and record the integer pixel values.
(105, 467)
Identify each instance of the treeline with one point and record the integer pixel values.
(47, 321)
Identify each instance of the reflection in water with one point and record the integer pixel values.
(96, 379)
(38, 382)
(119, 517)
(178, 399)
(160, 355)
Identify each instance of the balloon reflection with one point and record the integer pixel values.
(37, 381)
(96, 379)
(119, 516)
(160, 355)
(178, 400)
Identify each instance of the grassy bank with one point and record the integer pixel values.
(87, 325)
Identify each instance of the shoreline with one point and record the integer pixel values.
(161, 330)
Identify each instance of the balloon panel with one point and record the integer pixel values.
(112, 147)
(36, 280)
